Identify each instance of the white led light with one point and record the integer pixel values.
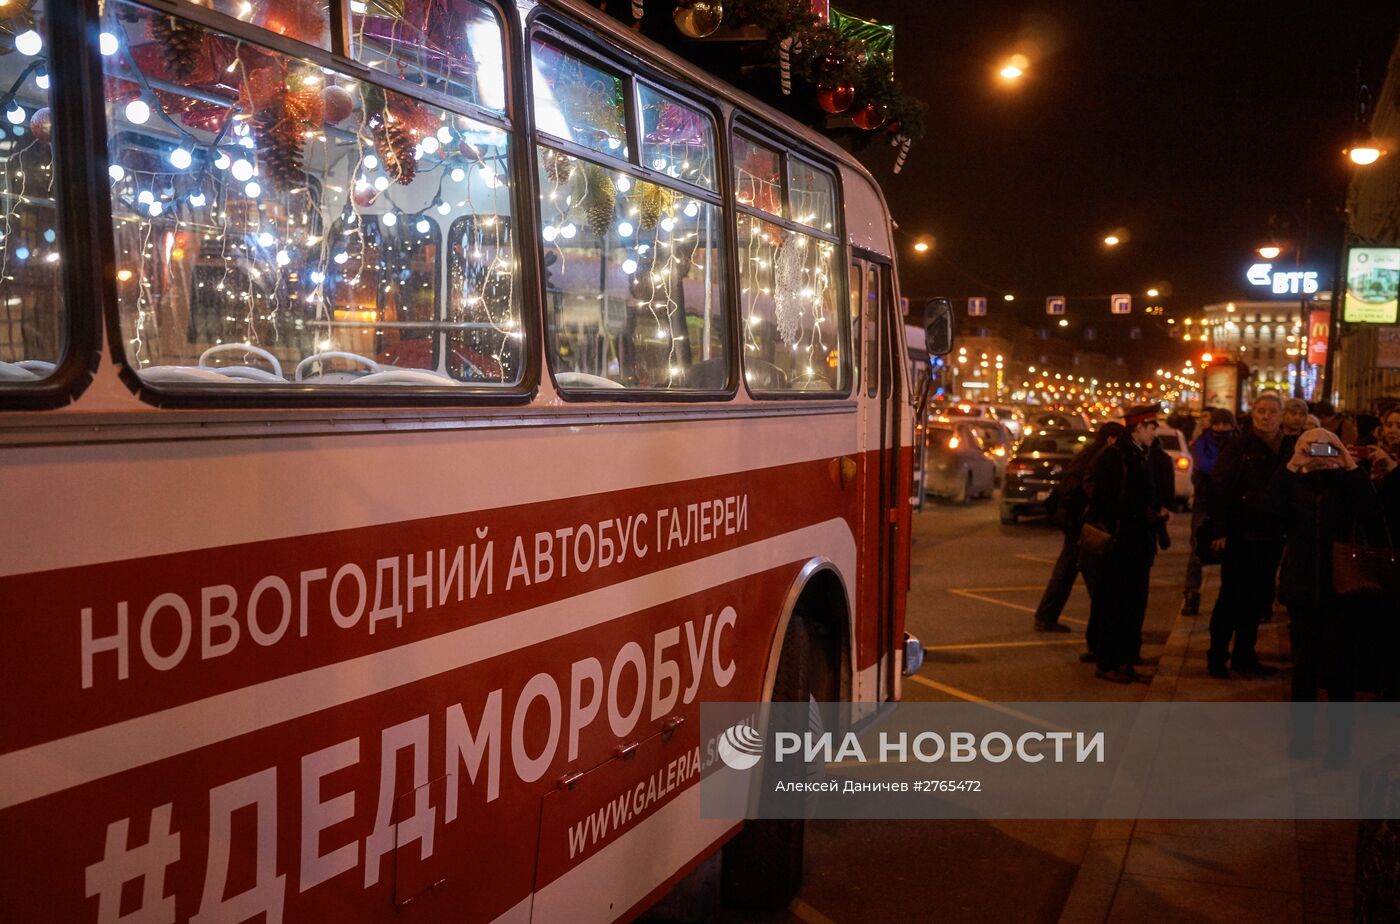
(318, 277)
(155, 208)
(242, 170)
(252, 190)
(340, 258)
(180, 159)
(381, 183)
(107, 44)
(692, 209)
(568, 231)
(197, 199)
(389, 219)
(29, 43)
(137, 112)
(623, 184)
(444, 135)
(423, 225)
(614, 143)
(265, 239)
(247, 142)
(15, 114)
(430, 144)
(443, 208)
(283, 258)
(667, 224)
(145, 197)
(458, 174)
(42, 81)
(629, 266)
(549, 233)
(371, 162)
(222, 161)
(625, 229)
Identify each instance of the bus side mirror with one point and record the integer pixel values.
(938, 327)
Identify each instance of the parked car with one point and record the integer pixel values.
(1035, 470)
(1056, 420)
(955, 466)
(1174, 442)
(994, 438)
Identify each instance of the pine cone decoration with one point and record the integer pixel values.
(181, 44)
(558, 166)
(654, 202)
(392, 141)
(279, 139)
(600, 200)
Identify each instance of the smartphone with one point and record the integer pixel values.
(1324, 450)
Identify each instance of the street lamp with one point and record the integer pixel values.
(1014, 68)
(1112, 240)
(1009, 297)
(1270, 251)
(1153, 293)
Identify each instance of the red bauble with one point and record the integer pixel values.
(337, 104)
(868, 116)
(835, 97)
(41, 124)
(893, 126)
(364, 195)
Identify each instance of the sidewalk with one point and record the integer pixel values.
(1227, 871)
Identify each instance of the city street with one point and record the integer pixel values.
(974, 586)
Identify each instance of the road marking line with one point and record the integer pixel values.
(1058, 641)
(1039, 559)
(1011, 606)
(973, 698)
(1007, 588)
(806, 913)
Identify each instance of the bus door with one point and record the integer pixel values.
(884, 496)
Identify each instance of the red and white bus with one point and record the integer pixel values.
(409, 414)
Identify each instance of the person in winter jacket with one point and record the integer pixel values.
(1072, 499)
(1126, 502)
(1318, 501)
(1204, 451)
(1248, 537)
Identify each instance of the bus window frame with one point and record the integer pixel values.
(583, 41)
(82, 285)
(744, 124)
(297, 396)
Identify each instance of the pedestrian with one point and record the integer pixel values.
(1331, 419)
(1295, 416)
(1125, 505)
(1070, 499)
(1383, 460)
(1246, 533)
(1204, 452)
(1320, 500)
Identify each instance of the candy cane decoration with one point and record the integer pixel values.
(903, 153)
(637, 10)
(785, 64)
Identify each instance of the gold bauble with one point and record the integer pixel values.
(698, 18)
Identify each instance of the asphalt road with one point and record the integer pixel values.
(974, 586)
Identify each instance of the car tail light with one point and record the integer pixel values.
(1183, 463)
(1020, 468)
(952, 442)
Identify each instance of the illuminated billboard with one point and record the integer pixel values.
(1373, 285)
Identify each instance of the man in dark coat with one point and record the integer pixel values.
(1204, 451)
(1248, 536)
(1127, 503)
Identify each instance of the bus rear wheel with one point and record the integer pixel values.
(761, 868)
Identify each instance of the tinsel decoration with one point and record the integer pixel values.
(392, 142)
(787, 288)
(181, 43)
(653, 203)
(599, 199)
(558, 166)
(279, 140)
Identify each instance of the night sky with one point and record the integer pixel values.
(1189, 124)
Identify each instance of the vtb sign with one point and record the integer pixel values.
(1290, 282)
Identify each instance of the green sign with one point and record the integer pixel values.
(1373, 285)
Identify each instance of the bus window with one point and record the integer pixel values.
(633, 279)
(813, 193)
(275, 222)
(676, 139)
(484, 344)
(33, 316)
(789, 285)
(455, 49)
(758, 176)
(305, 20)
(578, 102)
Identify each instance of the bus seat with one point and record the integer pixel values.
(584, 380)
(406, 377)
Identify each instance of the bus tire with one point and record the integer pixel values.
(761, 868)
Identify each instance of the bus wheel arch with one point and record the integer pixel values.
(818, 597)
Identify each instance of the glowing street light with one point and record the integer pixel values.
(1014, 68)
(1153, 293)
(922, 247)
(1112, 240)
(1365, 152)
(1270, 251)
(1064, 322)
